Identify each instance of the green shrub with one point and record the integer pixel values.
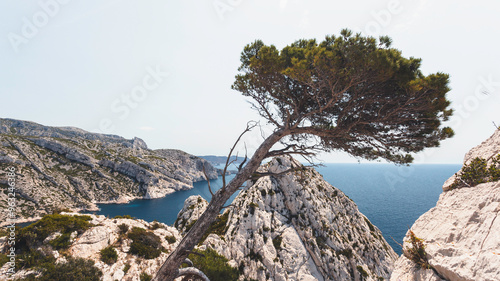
(416, 252)
(214, 266)
(145, 277)
(75, 269)
(252, 208)
(122, 229)
(477, 171)
(362, 271)
(277, 242)
(155, 225)
(109, 255)
(61, 242)
(126, 268)
(218, 227)
(254, 256)
(124, 217)
(34, 234)
(144, 243)
(170, 239)
(3, 259)
(33, 259)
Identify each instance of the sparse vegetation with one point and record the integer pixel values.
(155, 225)
(3, 259)
(416, 252)
(252, 208)
(362, 271)
(170, 239)
(145, 277)
(126, 268)
(215, 266)
(109, 255)
(219, 226)
(478, 171)
(124, 217)
(144, 244)
(74, 269)
(122, 229)
(277, 242)
(34, 234)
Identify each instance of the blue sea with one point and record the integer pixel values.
(391, 196)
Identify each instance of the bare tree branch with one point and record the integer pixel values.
(192, 271)
(208, 180)
(250, 126)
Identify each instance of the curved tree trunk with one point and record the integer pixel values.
(170, 269)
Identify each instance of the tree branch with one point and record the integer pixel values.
(208, 180)
(192, 271)
(250, 126)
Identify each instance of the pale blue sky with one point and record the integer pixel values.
(162, 71)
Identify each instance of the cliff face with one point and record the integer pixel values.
(296, 227)
(461, 232)
(72, 168)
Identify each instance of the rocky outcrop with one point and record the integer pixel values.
(461, 232)
(296, 227)
(59, 168)
(106, 232)
(486, 150)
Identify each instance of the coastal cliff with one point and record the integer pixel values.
(461, 233)
(69, 168)
(295, 227)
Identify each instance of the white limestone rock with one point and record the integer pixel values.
(299, 227)
(105, 232)
(461, 232)
(486, 150)
(193, 208)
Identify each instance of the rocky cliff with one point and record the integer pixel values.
(59, 168)
(116, 235)
(461, 234)
(295, 227)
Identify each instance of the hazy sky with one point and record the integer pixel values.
(162, 71)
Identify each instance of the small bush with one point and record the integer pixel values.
(124, 217)
(155, 225)
(126, 268)
(145, 277)
(34, 234)
(214, 266)
(122, 229)
(144, 243)
(33, 259)
(3, 259)
(254, 256)
(277, 242)
(477, 171)
(218, 227)
(252, 208)
(75, 269)
(362, 271)
(61, 242)
(416, 252)
(109, 255)
(170, 239)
